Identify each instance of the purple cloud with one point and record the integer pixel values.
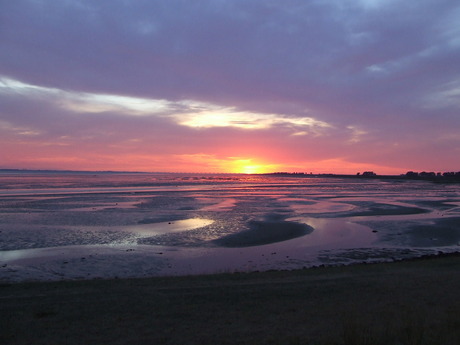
(383, 75)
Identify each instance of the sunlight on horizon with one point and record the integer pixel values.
(250, 166)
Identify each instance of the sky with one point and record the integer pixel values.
(247, 86)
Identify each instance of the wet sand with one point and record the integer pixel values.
(409, 302)
(61, 227)
(202, 246)
(265, 232)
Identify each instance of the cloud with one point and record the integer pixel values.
(366, 81)
(186, 113)
(231, 117)
(447, 96)
(84, 102)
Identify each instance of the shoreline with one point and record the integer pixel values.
(326, 305)
(322, 266)
(445, 177)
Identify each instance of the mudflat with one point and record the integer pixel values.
(408, 302)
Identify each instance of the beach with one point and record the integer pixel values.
(408, 302)
(230, 172)
(227, 259)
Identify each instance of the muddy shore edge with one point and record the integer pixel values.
(388, 303)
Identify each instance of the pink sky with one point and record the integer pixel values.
(230, 86)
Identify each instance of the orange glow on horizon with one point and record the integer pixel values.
(252, 169)
(247, 166)
(61, 157)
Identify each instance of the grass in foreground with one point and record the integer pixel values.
(406, 303)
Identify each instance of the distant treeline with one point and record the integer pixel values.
(450, 176)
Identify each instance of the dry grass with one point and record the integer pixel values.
(407, 303)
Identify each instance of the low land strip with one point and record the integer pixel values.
(409, 302)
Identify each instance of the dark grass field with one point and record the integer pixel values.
(411, 302)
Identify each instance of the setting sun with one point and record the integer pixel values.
(248, 166)
(252, 169)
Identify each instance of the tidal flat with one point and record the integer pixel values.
(63, 226)
(227, 259)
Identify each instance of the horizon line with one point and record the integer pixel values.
(358, 174)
